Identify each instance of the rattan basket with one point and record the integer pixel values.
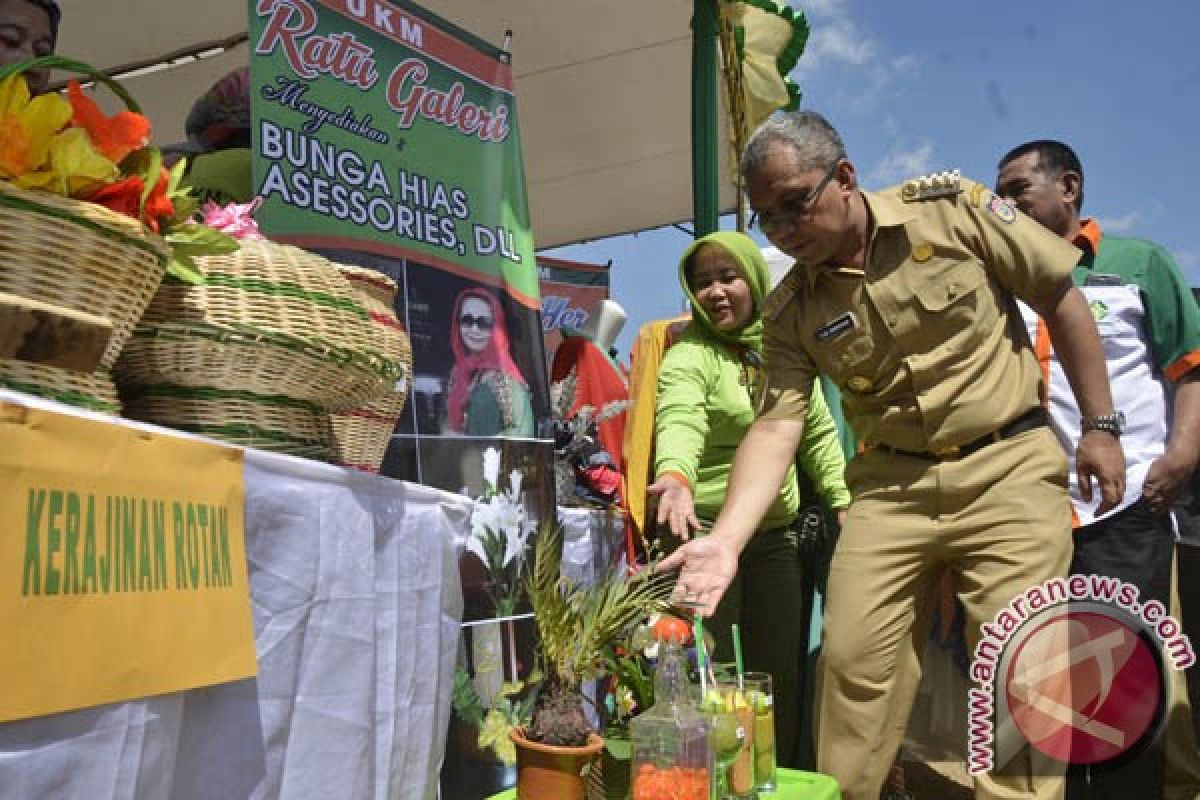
(76, 254)
(94, 391)
(361, 435)
(279, 424)
(269, 319)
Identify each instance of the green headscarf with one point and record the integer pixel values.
(749, 257)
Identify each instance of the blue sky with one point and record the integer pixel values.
(944, 84)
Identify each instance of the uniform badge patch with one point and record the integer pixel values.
(922, 252)
(1001, 209)
(1099, 309)
(834, 329)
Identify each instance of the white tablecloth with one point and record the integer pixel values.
(357, 603)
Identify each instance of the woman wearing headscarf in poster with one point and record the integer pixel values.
(487, 394)
(29, 29)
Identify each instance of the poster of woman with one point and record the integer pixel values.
(487, 394)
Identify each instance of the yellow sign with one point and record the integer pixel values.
(122, 564)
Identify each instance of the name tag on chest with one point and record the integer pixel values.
(832, 330)
(1103, 279)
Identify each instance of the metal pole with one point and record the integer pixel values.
(705, 186)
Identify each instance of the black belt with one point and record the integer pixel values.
(1034, 418)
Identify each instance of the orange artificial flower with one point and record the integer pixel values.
(14, 148)
(125, 197)
(116, 136)
(159, 208)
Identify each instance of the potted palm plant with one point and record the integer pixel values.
(576, 626)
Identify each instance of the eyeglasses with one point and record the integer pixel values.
(480, 323)
(771, 221)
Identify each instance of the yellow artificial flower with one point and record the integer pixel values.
(74, 168)
(14, 95)
(45, 115)
(510, 688)
(493, 733)
(27, 126)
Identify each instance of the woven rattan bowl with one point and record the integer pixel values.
(80, 256)
(94, 391)
(269, 319)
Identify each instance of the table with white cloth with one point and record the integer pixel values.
(356, 604)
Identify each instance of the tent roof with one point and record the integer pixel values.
(603, 94)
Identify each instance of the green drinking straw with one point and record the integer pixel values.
(737, 656)
(698, 637)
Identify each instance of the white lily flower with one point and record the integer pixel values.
(475, 545)
(491, 467)
(514, 543)
(514, 484)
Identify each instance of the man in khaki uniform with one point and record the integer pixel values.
(904, 298)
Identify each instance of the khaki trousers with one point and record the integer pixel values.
(1183, 752)
(1000, 520)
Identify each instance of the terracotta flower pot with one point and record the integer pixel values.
(548, 772)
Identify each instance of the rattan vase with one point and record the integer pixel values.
(361, 435)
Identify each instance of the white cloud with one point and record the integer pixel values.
(823, 8)
(838, 44)
(900, 163)
(906, 64)
(1122, 224)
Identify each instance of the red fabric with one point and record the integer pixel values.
(495, 356)
(597, 383)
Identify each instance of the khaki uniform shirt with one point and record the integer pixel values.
(926, 343)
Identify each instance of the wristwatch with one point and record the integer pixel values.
(1113, 423)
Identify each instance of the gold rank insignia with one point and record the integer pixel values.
(859, 384)
(937, 184)
(976, 194)
(922, 252)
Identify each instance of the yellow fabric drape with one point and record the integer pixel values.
(638, 452)
(766, 35)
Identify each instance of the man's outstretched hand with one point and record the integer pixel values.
(706, 568)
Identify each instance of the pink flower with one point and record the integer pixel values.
(235, 219)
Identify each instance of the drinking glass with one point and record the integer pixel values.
(761, 698)
(731, 724)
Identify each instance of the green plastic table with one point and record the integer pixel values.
(793, 785)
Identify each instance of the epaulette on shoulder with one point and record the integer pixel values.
(778, 298)
(926, 187)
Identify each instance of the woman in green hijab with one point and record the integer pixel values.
(708, 389)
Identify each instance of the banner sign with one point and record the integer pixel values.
(570, 291)
(388, 138)
(123, 564)
(376, 129)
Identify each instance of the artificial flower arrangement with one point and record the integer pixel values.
(500, 531)
(68, 146)
(584, 473)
